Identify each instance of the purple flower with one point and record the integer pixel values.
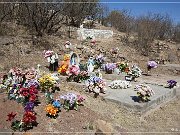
(94, 79)
(71, 97)
(152, 64)
(100, 59)
(29, 106)
(33, 83)
(110, 66)
(171, 83)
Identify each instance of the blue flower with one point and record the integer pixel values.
(56, 104)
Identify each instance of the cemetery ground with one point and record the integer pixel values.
(97, 113)
(163, 119)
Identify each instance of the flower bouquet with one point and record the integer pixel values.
(51, 110)
(95, 84)
(28, 120)
(123, 67)
(53, 106)
(119, 84)
(47, 82)
(135, 72)
(150, 65)
(109, 67)
(83, 75)
(171, 84)
(71, 101)
(99, 60)
(144, 92)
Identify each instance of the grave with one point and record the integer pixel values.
(127, 98)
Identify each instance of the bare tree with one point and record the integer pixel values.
(76, 12)
(120, 19)
(176, 33)
(150, 27)
(41, 17)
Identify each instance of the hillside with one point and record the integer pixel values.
(21, 48)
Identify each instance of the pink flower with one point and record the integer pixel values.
(74, 69)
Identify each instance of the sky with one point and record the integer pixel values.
(142, 7)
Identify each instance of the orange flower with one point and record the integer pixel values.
(51, 110)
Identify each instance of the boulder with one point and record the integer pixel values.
(103, 128)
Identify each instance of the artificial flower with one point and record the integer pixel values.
(29, 118)
(56, 104)
(171, 83)
(51, 110)
(151, 64)
(29, 106)
(11, 116)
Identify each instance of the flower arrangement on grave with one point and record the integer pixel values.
(23, 94)
(28, 97)
(95, 84)
(14, 76)
(27, 122)
(123, 67)
(151, 65)
(171, 84)
(144, 92)
(47, 82)
(109, 67)
(51, 110)
(134, 73)
(24, 91)
(99, 60)
(82, 76)
(64, 65)
(71, 101)
(53, 106)
(73, 70)
(120, 84)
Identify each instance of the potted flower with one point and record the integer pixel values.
(123, 67)
(134, 73)
(109, 67)
(171, 84)
(71, 101)
(47, 82)
(95, 84)
(144, 92)
(151, 65)
(99, 60)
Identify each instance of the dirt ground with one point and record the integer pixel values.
(164, 119)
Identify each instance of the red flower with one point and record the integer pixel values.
(29, 117)
(24, 92)
(11, 116)
(33, 90)
(33, 98)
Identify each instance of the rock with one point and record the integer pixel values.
(103, 128)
